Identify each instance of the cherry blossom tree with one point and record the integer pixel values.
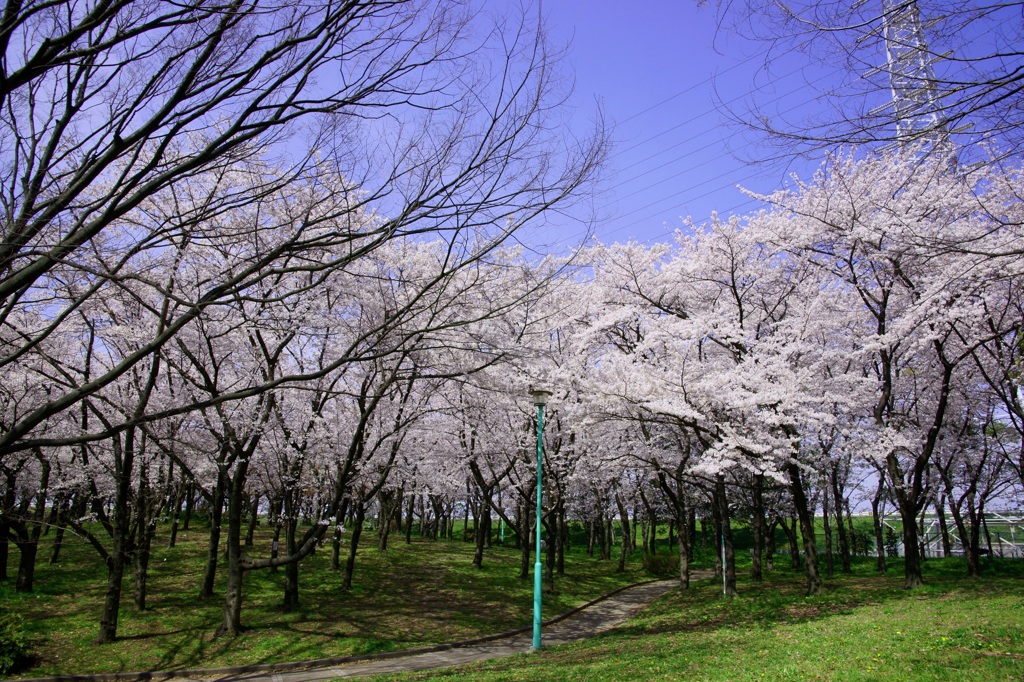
(882, 228)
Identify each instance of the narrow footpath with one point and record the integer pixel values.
(595, 618)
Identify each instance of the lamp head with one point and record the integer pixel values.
(540, 395)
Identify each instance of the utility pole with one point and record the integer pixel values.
(917, 107)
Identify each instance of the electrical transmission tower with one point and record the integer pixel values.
(915, 99)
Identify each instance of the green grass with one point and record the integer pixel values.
(862, 628)
(424, 593)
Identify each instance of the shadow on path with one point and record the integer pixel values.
(594, 618)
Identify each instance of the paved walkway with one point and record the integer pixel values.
(604, 615)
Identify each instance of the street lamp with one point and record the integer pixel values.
(540, 398)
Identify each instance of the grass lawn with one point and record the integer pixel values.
(862, 628)
(424, 593)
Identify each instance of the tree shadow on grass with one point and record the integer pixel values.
(781, 600)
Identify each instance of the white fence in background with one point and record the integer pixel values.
(1002, 534)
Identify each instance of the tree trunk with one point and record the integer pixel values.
(145, 528)
(624, 521)
(359, 509)
(716, 544)
(410, 508)
(27, 551)
(676, 496)
(179, 497)
(29, 534)
(112, 597)
(844, 539)
(549, 555)
(912, 573)
(190, 503)
(524, 560)
(940, 513)
(691, 525)
(231, 624)
(729, 552)
(291, 569)
(482, 528)
(213, 549)
(121, 534)
(63, 508)
(254, 519)
(609, 536)
(827, 528)
(142, 554)
(806, 528)
(876, 519)
(758, 512)
(563, 539)
(9, 496)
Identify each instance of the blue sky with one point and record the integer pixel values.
(657, 68)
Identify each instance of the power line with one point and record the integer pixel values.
(699, 149)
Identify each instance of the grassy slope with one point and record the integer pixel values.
(862, 628)
(409, 596)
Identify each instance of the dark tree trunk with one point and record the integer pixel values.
(213, 549)
(254, 519)
(63, 507)
(142, 554)
(876, 519)
(27, 551)
(729, 552)
(291, 569)
(716, 545)
(692, 532)
(524, 560)
(758, 511)
(410, 508)
(851, 533)
(29, 533)
(179, 497)
(482, 527)
(145, 528)
(549, 555)
(231, 624)
(909, 487)
(624, 521)
(390, 502)
(912, 570)
(769, 547)
(940, 513)
(7, 503)
(563, 539)
(827, 528)
(844, 539)
(190, 503)
(970, 539)
(124, 461)
(791, 537)
(359, 512)
(336, 548)
(609, 536)
(806, 528)
(677, 497)
(112, 597)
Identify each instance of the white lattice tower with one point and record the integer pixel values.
(915, 100)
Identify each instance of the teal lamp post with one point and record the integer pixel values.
(540, 398)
